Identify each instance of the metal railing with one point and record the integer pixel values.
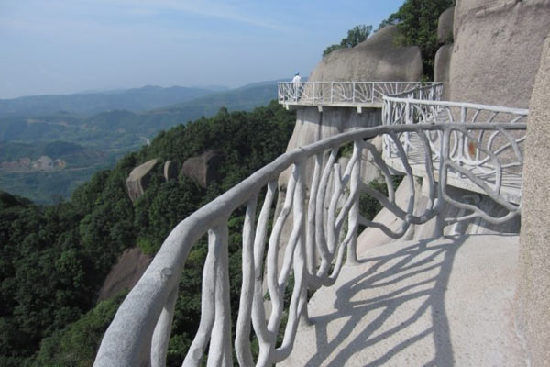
(323, 237)
(350, 93)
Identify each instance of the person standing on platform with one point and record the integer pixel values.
(297, 85)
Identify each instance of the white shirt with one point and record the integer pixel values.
(297, 79)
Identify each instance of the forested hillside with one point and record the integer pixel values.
(109, 134)
(53, 259)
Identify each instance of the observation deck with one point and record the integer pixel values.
(348, 94)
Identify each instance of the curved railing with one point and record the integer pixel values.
(350, 93)
(323, 237)
(472, 153)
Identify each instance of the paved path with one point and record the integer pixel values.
(436, 302)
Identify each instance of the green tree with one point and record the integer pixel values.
(355, 35)
(417, 23)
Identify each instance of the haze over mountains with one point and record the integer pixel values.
(100, 127)
(136, 99)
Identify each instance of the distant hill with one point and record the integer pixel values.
(244, 98)
(85, 104)
(101, 139)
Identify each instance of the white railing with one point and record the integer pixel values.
(349, 93)
(493, 157)
(323, 237)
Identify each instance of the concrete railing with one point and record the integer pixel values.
(350, 93)
(323, 237)
(492, 158)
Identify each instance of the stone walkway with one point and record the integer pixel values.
(440, 302)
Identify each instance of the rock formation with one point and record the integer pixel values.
(497, 47)
(124, 275)
(534, 277)
(442, 68)
(376, 59)
(170, 171)
(445, 26)
(138, 179)
(442, 62)
(203, 168)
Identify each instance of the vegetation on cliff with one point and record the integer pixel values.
(102, 138)
(355, 35)
(53, 259)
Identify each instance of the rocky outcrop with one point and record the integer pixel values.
(534, 276)
(497, 46)
(445, 26)
(442, 67)
(124, 275)
(442, 62)
(203, 168)
(376, 59)
(138, 179)
(170, 171)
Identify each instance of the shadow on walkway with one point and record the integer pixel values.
(410, 282)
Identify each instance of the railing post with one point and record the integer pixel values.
(353, 92)
(242, 340)
(331, 92)
(441, 205)
(161, 335)
(353, 215)
(220, 352)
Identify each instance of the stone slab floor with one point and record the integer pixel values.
(443, 302)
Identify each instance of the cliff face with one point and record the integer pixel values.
(534, 276)
(496, 52)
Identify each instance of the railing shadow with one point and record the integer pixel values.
(427, 295)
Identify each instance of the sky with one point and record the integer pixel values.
(70, 46)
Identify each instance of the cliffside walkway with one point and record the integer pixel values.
(435, 302)
(347, 94)
(322, 250)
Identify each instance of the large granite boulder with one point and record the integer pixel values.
(170, 171)
(497, 46)
(445, 25)
(203, 169)
(125, 273)
(534, 277)
(376, 59)
(442, 67)
(139, 178)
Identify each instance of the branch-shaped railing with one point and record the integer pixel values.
(492, 158)
(323, 237)
(350, 93)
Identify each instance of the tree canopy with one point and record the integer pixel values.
(417, 22)
(355, 35)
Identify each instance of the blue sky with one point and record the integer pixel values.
(67, 46)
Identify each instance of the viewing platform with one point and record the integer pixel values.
(349, 94)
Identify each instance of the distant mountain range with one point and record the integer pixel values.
(28, 126)
(85, 104)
